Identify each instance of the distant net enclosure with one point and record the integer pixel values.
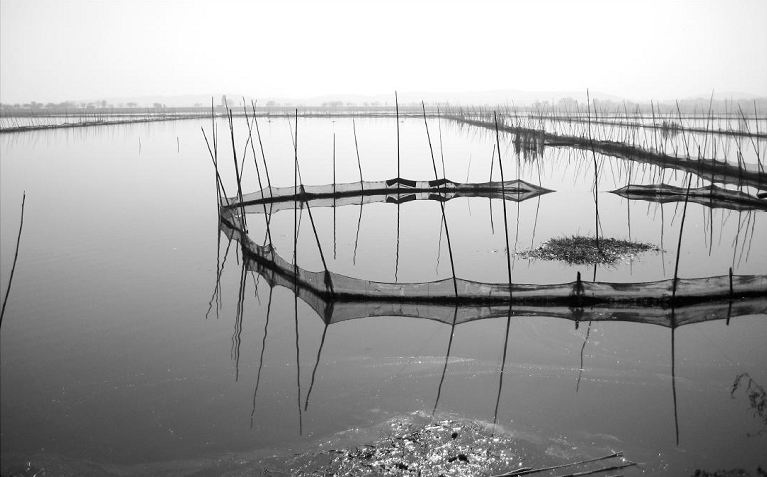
(336, 297)
(717, 170)
(707, 196)
(390, 191)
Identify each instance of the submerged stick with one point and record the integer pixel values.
(561, 466)
(601, 469)
(673, 374)
(239, 314)
(316, 365)
(15, 257)
(503, 367)
(447, 358)
(216, 288)
(298, 368)
(583, 348)
(261, 359)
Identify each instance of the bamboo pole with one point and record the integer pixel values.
(328, 280)
(334, 197)
(503, 200)
(357, 150)
(261, 146)
(679, 242)
(237, 173)
(258, 172)
(596, 172)
(441, 203)
(396, 109)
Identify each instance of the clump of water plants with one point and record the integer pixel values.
(416, 445)
(419, 445)
(581, 249)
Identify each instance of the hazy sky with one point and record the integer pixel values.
(54, 50)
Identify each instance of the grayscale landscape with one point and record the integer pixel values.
(383, 238)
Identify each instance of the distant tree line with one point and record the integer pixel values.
(74, 106)
(561, 106)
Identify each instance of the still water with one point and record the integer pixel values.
(120, 355)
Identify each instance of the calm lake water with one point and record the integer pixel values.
(119, 356)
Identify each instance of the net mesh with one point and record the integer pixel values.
(337, 297)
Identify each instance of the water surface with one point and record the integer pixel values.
(114, 355)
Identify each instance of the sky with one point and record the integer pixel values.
(57, 50)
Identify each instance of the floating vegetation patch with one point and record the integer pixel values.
(416, 445)
(580, 250)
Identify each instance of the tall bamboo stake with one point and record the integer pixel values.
(596, 172)
(503, 201)
(220, 191)
(328, 280)
(679, 242)
(258, 172)
(441, 203)
(261, 145)
(396, 109)
(237, 173)
(673, 374)
(334, 196)
(357, 150)
(441, 153)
